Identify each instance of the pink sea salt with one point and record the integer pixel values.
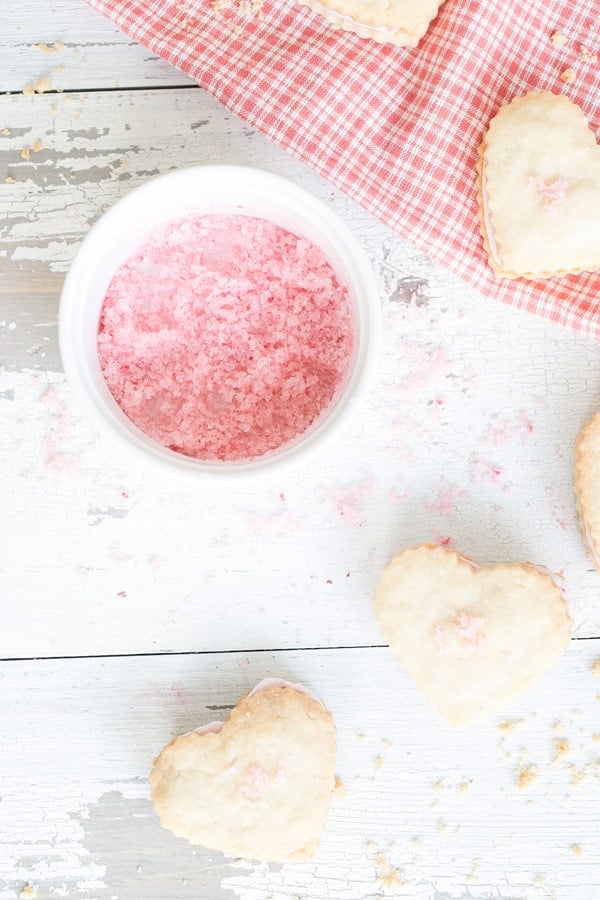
(225, 337)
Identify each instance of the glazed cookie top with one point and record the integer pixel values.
(540, 189)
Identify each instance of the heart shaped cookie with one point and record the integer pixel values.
(257, 786)
(470, 638)
(539, 189)
(399, 22)
(587, 485)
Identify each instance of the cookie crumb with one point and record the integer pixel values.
(509, 726)
(386, 742)
(568, 76)
(49, 49)
(561, 748)
(538, 881)
(387, 875)
(558, 39)
(463, 787)
(596, 668)
(37, 146)
(25, 153)
(42, 85)
(339, 788)
(379, 763)
(10, 180)
(576, 849)
(28, 91)
(526, 776)
(28, 892)
(6, 132)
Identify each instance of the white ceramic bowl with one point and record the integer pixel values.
(197, 191)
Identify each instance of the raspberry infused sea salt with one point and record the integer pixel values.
(225, 337)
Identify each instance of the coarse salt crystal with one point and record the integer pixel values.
(225, 337)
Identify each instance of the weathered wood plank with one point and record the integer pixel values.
(442, 807)
(468, 434)
(72, 47)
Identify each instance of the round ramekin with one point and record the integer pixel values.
(234, 190)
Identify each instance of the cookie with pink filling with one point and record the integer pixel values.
(257, 786)
(538, 187)
(470, 638)
(399, 22)
(587, 485)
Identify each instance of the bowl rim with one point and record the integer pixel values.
(130, 437)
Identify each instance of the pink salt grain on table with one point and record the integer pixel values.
(225, 337)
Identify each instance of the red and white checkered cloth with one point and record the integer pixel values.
(398, 130)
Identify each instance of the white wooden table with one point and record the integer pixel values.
(133, 610)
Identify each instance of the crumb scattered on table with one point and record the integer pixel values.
(49, 49)
(561, 749)
(28, 892)
(526, 776)
(509, 726)
(339, 788)
(576, 849)
(387, 875)
(596, 668)
(25, 153)
(463, 787)
(379, 763)
(42, 85)
(37, 146)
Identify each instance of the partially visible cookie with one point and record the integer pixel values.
(470, 638)
(257, 786)
(400, 22)
(538, 186)
(587, 485)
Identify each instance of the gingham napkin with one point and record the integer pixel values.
(398, 130)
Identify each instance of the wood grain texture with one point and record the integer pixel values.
(101, 556)
(466, 439)
(467, 436)
(436, 811)
(69, 46)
